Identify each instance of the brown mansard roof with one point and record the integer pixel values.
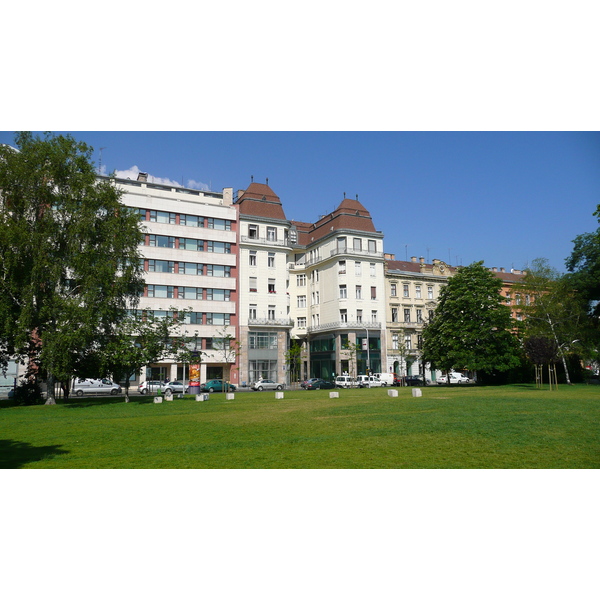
(259, 200)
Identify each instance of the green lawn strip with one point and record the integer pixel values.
(507, 427)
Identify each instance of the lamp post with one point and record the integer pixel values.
(368, 355)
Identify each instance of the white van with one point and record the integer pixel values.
(367, 381)
(344, 381)
(95, 386)
(385, 378)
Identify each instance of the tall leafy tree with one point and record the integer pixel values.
(471, 327)
(69, 262)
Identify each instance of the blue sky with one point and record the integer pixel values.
(504, 198)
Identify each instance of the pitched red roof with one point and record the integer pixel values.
(259, 200)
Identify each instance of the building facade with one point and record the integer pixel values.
(190, 256)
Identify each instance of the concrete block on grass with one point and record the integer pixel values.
(417, 393)
(157, 399)
(229, 396)
(278, 395)
(393, 393)
(334, 394)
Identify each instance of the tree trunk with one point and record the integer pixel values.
(50, 397)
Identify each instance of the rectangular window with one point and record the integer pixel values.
(357, 268)
(191, 244)
(252, 311)
(271, 312)
(265, 340)
(301, 280)
(252, 258)
(218, 271)
(193, 318)
(341, 244)
(221, 224)
(271, 234)
(271, 286)
(218, 319)
(394, 341)
(344, 316)
(419, 315)
(372, 246)
(407, 315)
(301, 301)
(393, 289)
(430, 316)
(191, 221)
(373, 316)
(301, 322)
(161, 266)
(219, 247)
(271, 260)
(357, 244)
(358, 291)
(430, 292)
(405, 291)
(253, 232)
(161, 241)
(342, 267)
(394, 315)
(190, 293)
(253, 287)
(417, 291)
(191, 268)
(372, 269)
(408, 341)
(359, 316)
(343, 292)
(373, 293)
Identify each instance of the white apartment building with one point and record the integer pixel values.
(190, 263)
(337, 291)
(264, 246)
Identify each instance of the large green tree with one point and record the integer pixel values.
(69, 262)
(471, 327)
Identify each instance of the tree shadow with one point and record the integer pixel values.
(103, 400)
(13, 454)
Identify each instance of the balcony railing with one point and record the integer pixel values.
(345, 325)
(262, 241)
(272, 322)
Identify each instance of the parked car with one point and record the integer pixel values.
(319, 384)
(344, 381)
(216, 385)
(266, 384)
(308, 381)
(454, 378)
(413, 380)
(385, 378)
(95, 386)
(368, 381)
(150, 387)
(174, 386)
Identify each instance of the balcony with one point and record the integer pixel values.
(345, 325)
(262, 241)
(270, 322)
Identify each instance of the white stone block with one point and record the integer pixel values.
(393, 393)
(278, 395)
(201, 397)
(334, 394)
(229, 396)
(417, 393)
(157, 399)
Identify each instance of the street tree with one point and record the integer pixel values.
(552, 309)
(228, 347)
(142, 339)
(69, 261)
(293, 358)
(471, 327)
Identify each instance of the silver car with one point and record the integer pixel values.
(266, 384)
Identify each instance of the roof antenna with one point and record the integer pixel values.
(251, 178)
(357, 197)
(344, 195)
(267, 181)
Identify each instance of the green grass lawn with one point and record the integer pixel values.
(459, 427)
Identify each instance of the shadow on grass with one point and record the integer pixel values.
(14, 455)
(104, 400)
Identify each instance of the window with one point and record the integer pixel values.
(373, 293)
(344, 316)
(358, 291)
(219, 247)
(343, 292)
(417, 291)
(252, 311)
(372, 246)
(191, 221)
(161, 291)
(221, 224)
(407, 315)
(161, 241)
(301, 322)
(161, 266)
(430, 292)
(271, 234)
(342, 267)
(419, 315)
(430, 316)
(359, 316)
(271, 260)
(158, 216)
(191, 268)
(271, 312)
(266, 340)
(252, 258)
(253, 232)
(357, 244)
(191, 244)
(372, 269)
(271, 286)
(218, 319)
(217, 295)
(301, 301)
(193, 318)
(392, 289)
(373, 316)
(395, 341)
(190, 293)
(253, 287)
(341, 244)
(315, 297)
(394, 314)
(408, 341)
(357, 268)
(405, 291)
(301, 280)
(218, 271)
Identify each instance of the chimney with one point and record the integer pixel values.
(502, 270)
(422, 260)
(390, 256)
(142, 176)
(413, 259)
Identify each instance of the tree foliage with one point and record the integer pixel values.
(471, 327)
(69, 262)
